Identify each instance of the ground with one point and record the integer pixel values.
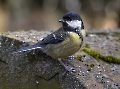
(97, 64)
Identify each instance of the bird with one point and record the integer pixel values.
(64, 42)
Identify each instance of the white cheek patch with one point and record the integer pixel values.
(75, 23)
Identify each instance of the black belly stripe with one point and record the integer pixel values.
(81, 37)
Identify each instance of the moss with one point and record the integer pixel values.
(89, 69)
(107, 37)
(98, 56)
(87, 46)
(116, 49)
(116, 34)
(118, 39)
(92, 65)
(119, 87)
(79, 57)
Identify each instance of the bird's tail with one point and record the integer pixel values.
(28, 48)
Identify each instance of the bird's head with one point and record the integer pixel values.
(72, 20)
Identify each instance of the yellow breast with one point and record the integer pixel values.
(69, 46)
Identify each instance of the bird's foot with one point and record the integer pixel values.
(71, 70)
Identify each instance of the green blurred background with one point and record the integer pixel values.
(44, 14)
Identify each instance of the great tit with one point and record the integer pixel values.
(65, 41)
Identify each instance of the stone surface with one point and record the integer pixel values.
(36, 70)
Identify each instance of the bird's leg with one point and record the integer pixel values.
(66, 69)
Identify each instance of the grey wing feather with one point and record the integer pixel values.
(52, 39)
(28, 48)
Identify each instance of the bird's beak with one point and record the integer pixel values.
(61, 20)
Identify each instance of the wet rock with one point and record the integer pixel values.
(36, 70)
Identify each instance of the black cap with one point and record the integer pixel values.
(71, 15)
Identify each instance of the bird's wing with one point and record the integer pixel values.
(53, 39)
(27, 48)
